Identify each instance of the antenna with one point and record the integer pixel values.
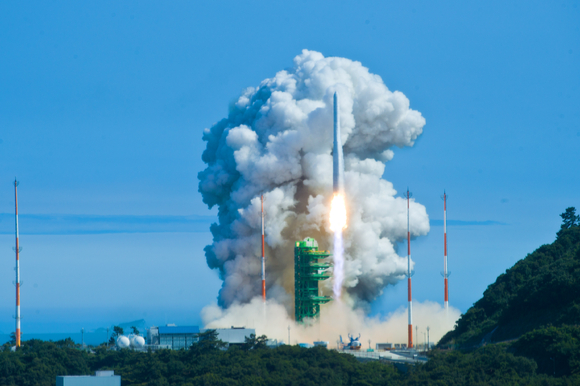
(409, 274)
(417, 332)
(445, 273)
(17, 249)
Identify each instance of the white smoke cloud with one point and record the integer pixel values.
(345, 320)
(277, 141)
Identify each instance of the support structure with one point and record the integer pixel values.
(445, 272)
(308, 271)
(17, 249)
(409, 274)
(263, 258)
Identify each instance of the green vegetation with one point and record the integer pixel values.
(117, 332)
(38, 363)
(538, 291)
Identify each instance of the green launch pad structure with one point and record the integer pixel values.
(307, 273)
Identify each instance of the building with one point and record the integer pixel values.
(172, 336)
(308, 271)
(234, 335)
(182, 337)
(384, 346)
(101, 378)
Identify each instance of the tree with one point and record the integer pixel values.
(569, 218)
(117, 331)
(209, 340)
(135, 330)
(254, 342)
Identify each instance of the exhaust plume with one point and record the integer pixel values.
(345, 320)
(277, 140)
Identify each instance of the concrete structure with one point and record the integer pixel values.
(234, 335)
(307, 273)
(101, 378)
(396, 357)
(384, 346)
(152, 336)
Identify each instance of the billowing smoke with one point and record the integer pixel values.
(390, 329)
(277, 140)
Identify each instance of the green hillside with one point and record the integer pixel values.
(541, 290)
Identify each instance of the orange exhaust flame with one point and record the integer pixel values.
(337, 213)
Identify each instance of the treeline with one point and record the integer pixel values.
(208, 363)
(541, 290)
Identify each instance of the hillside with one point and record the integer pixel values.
(540, 290)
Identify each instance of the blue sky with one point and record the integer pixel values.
(102, 107)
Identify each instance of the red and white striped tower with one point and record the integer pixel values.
(445, 273)
(409, 274)
(17, 249)
(263, 258)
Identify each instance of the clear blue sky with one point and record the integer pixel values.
(102, 106)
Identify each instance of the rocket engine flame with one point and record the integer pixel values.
(337, 213)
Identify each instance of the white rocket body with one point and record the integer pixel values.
(337, 158)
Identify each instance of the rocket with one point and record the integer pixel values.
(337, 206)
(337, 158)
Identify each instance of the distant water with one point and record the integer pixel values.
(91, 338)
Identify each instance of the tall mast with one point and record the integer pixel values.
(17, 249)
(445, 273)
(263, 258)
(410, 343)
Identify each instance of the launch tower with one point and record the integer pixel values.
(308, 271)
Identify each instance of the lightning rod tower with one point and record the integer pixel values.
(445, 273)
(409, 274)
(263, 258)
(17, 249)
